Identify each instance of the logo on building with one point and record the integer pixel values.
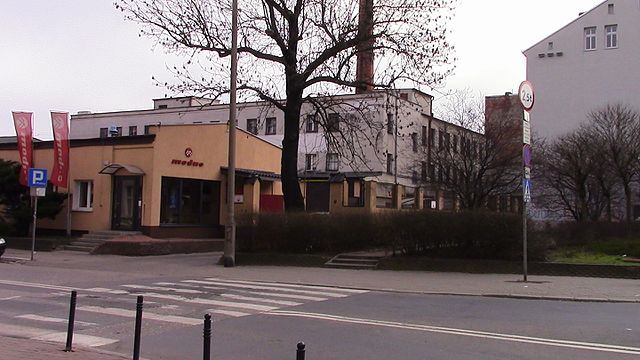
(188, 152)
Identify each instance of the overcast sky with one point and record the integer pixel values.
(73, 55)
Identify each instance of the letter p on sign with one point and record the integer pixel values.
(37, 177)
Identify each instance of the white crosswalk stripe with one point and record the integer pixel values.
(203, 301)
(270, 301)
(53, 336)
(263, 287)
(146, 315)
(297, 286)
(276, 295)
(50, 319)
(160, 288)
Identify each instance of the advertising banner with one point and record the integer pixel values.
(60, 125)
(24, 137)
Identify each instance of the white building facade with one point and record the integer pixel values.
(587, 64)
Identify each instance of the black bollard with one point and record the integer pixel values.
(206, 334)
(136, 338)
(72, 318)
(300, 352)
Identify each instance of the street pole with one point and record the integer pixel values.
(33, 231)
(524, 234)
(527, 99)
(230, 232)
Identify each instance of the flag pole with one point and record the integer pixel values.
(69, 205)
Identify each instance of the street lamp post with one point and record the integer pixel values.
(230, 231)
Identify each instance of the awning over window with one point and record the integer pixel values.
(113, 168)
(253, 174)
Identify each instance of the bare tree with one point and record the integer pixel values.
(617, 129)
(568, 173)
(291, 51)
(472, 165)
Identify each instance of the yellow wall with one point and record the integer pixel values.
(209, 145)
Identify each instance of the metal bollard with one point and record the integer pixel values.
(206, 334)
(136, 338)
(300, 352)
(72, 318)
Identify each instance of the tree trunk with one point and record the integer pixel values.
(293, 200)
(627, 198)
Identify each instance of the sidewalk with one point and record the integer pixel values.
(204, 265)
(13, 348)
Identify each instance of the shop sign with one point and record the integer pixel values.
(188, 152)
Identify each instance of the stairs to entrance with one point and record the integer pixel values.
(356, 261)
(93, 239)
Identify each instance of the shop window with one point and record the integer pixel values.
(252, 126)
(133, 130)
(355, 193)
(270, 126)
(333, 162)
(189, 202)
(384, 196)
(83, 195)
(104, 133)
(311, 124)
(409, 198)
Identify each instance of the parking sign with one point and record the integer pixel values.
(37, 177)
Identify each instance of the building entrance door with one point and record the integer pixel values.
(127, 202)
(318, 196)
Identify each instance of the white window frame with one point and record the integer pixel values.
(310, 162)
(88, 205)
(268, 128)
(611, 36)
(311, 124)
(590, 38)
(252, 126)
(333, 162)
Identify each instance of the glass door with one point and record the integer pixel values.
(127, 202)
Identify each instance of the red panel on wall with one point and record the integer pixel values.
(271, 203)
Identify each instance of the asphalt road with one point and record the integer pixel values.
(265, 320)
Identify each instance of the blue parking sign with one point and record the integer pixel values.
(37, 177)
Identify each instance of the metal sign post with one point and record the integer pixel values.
(527, 99)
(37, 181)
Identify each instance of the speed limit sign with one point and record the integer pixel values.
(527, 97)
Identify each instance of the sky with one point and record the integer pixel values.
(81, 55)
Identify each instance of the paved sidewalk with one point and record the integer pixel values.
(13, 349)
(204, 264)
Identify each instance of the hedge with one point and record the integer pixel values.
(467, 234)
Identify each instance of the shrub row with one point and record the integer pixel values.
(467, 234)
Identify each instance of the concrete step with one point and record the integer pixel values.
(114, 233)
(350, 266)
(79, 248)
(97, 237)
(86, 243)
(362, 257)
(344, 260)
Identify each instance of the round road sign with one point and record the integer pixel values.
(527, 97)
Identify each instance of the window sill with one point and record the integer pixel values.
(86, 210)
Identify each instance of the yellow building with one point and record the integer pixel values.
(170, 183)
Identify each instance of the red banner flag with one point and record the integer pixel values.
(60, 125)
(24, 138)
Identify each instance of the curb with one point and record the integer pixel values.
(466, 294)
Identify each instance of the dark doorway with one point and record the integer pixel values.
(318, 196)
(127, 202)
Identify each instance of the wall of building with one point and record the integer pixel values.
(569, 86)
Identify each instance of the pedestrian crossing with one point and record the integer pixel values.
(171, 303)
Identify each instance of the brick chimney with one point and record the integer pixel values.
(364, 69)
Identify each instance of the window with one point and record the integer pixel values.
(611, 32)
(252, 126)
(189, 202)
(389, 123)
(83, 195)
(414, 141)
(310, 162)
(440, 140)
(333, 162)
(104, 132)
(333, 123)
(389, 163)
(550, 45)
(404, 96)
(432, 172)
(611, 9)
(590, 38)
(432, 137)
(424, 136)
(311, 124)
(147, 129)
(270, 126)
(118, 131)
(423, 171)
(133, 130)
(165, 106)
